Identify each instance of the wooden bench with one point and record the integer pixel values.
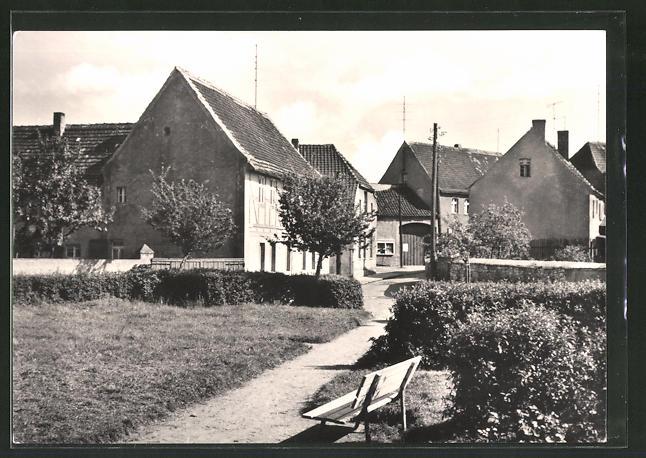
(376, 390)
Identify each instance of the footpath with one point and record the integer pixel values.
(267, 409)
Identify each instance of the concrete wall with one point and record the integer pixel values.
(519, 270)
(555, 203)
(43, 266)
(175, 130)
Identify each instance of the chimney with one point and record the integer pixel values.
(563, 143)
(295, 142)
(538, 126)
(59, 123)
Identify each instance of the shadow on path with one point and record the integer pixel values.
(334, 367)
(326, 434)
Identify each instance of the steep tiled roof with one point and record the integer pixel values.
(329, 161)
(257, 138)
(458, 167)
(573, 169)
(97, 142)
(411, 205)
(598, 151)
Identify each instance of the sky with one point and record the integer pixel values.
(483, 88)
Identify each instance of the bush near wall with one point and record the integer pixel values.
(425, 316)
(207, 287)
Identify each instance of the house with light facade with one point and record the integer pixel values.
(203, 133)
(405, 193)
(359, 258)
(560, 206)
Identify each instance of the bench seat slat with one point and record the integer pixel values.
(332, 406)
(346, 413)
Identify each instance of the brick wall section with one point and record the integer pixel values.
(517, 270)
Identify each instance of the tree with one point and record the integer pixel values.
(318, 214)
(457, 242)
(188, 214)
(496, 232)
(52, 198)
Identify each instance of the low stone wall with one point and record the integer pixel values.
(518, 270)
(47, 266)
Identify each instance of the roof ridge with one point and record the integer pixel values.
(571, 166)
(469, 150)
(74, 125)
(210, 85)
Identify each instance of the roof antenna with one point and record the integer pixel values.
(255, 81)
(404, 118)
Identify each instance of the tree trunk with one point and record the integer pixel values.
(319, 263)
(181, 264)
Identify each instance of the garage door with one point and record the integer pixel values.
(413, 244)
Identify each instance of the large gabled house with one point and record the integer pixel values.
(329, 161)
(205, 134)
(96, 143)
(410, 178)
(560, 206)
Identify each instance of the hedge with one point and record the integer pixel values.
(206, 287)
(425, 315)
(525, 375)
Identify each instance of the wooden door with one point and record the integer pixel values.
(412, 244)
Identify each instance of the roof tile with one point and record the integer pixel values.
(412, 206)
(329, 161)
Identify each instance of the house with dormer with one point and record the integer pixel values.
(205, 134)
(356, 260)
(560, 206)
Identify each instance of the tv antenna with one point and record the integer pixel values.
(255, 80)
(553, 105)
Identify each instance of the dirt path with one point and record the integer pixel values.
(267, 409)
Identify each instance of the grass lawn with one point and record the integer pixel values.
(93, 371)
(425, 401)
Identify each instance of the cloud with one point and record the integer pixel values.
(84, 77)
(372, 156)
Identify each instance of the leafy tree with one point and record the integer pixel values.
(318, 214)
(496, 232)
(574, 253)
(188, 214)
(52, 197)
(457, 242)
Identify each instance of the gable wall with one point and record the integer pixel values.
(556, 204)
(195, 148)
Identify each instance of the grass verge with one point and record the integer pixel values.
(425, 401)
(91, 372)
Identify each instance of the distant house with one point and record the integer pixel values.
(205, 134)
(590, 160)
(560, 206)
(329, 161)
(410, 170)
(96, 143)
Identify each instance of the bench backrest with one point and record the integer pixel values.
(389, 380)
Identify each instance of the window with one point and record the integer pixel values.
(454, 205)
(385, 248)
(466, 206)
(121, 194)
(360, 204)
(525, 168)
(73, 251)
(372, 207)
(262, 257)
(365, 201)
(118, 249)
(313, 259)
(304, 260)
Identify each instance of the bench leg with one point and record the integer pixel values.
(367, 428)
(402, 402)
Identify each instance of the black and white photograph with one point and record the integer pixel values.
(309, 237)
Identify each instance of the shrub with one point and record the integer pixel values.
(574, 253)
(208, 287)
(424, 316)
(524, 375)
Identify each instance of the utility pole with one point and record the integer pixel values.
(434, 196)
(255, 80)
